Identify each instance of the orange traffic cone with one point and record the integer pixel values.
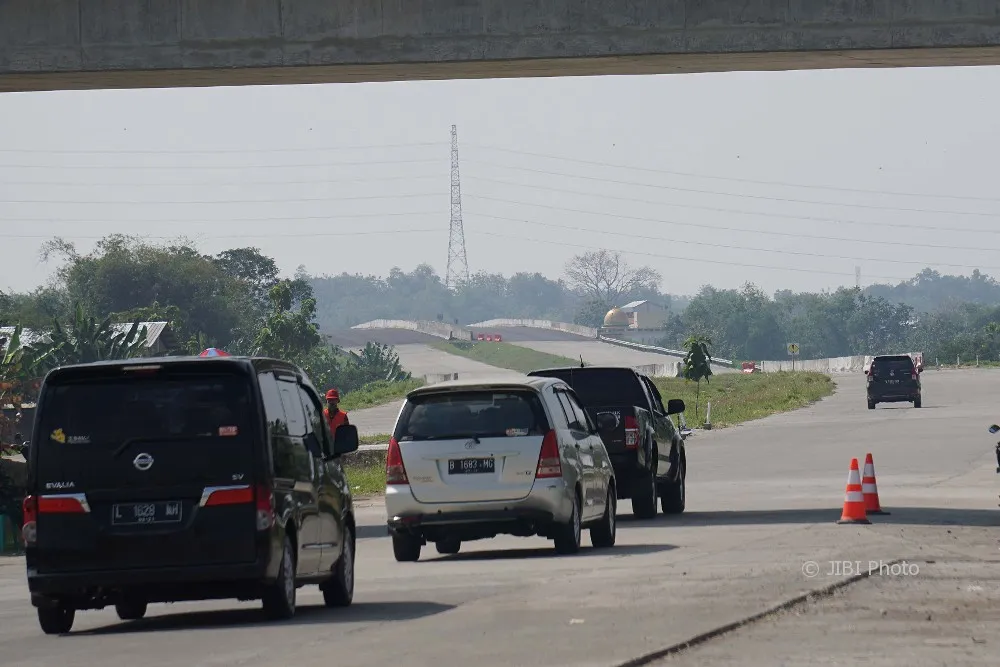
(870, 489)
(854, 500)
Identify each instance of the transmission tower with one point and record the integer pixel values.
(458, 263)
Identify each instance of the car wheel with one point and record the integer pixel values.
(568, 535)
(56, 620)
(603, 534)
(339, 590)
(674, 496)
(406, 548)
(131, 610)
(279, 598)
(871, 404)
(644, 496)
(448, 546)
(916, 403)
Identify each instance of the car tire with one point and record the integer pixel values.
(448, 546)
(339, 590)
(674, 498)
(279, 598)
(917, 403)
(56, 620)
(131, 610)
(569, 535)
(644, 494)
(406, 548)
(603, 534)
(871, 404)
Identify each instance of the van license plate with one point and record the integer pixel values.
(471, 466)
(133, 514)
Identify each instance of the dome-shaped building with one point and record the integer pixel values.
(616, 319)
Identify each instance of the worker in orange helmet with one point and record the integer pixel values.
(335, 417)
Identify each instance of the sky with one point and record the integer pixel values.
(788, 180)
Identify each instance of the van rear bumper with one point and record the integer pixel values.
(97, 589)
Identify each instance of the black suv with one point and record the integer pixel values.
(893, 379)
(646, 450)
(164, 480)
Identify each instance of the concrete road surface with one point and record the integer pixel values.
(357, 338)
(763, 500)
(522, 334)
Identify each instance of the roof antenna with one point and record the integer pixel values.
(582, 365)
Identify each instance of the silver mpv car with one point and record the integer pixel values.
(470, 460)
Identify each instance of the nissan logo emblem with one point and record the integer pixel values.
(143, 462)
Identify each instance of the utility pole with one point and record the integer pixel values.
(857, 277)
(458, 263)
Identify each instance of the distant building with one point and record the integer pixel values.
(645, 315)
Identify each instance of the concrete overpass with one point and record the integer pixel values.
(93, 44)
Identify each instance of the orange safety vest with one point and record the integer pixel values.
(336, 421)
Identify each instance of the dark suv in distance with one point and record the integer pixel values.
(175, 479)
(893, 379)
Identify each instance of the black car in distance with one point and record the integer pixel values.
(893, 379)
(175, 479)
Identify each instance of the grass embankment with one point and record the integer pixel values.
(741, 397)
(378, 393)
(366, 472)
(505, 355)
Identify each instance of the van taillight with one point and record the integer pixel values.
(265, 507)
(549, 464)
(913, 375)
(395, 471)
(29, 530)
(234, 495)
(631, 432)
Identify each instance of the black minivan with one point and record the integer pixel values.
(893, 379)
(174, 479)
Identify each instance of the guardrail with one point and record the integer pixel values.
(657, 350)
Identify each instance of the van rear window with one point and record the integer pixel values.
(111, 411)
(468, 414)
(897, 365)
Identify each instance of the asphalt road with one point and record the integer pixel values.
(763, 501)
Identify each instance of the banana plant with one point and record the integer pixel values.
(86, 340)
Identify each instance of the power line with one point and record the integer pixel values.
(294, 200)
(699, 225)
(230, 167)
(205, 184)
(706, 244)
(700, 260)
(288, 218)
(232, 236)
(736, 179)
(222, 151)
(716, 209)
(749, 196)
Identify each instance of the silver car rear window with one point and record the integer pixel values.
(471, 414)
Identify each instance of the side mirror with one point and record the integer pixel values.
(994, 428)
(675, 406)
(606, 422)
(345, 440)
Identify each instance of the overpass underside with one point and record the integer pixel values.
(88, 44)
(687, 63)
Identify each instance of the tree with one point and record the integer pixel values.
(287, 333)
(697, 363)
(378, 362)
(605, 277)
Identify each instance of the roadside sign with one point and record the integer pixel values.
(793, 349)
